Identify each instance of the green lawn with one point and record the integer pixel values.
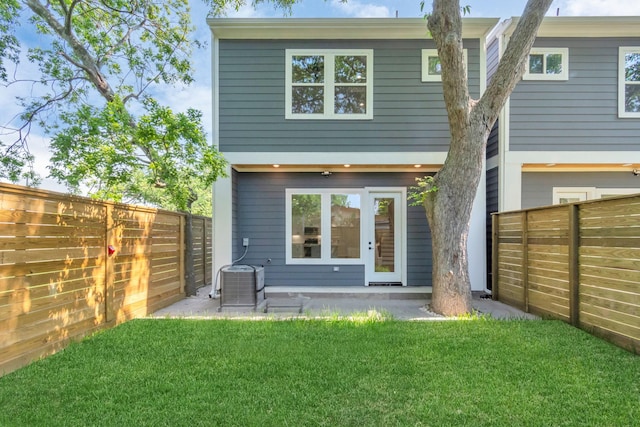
(329, 373)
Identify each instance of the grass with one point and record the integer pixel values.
(369, 372)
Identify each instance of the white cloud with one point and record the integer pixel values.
(358, 9)
(599, 8)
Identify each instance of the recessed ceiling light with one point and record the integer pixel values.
(347, 166)
(276, 166)
(417, 166)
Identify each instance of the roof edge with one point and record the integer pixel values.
(583, 26)
(337, 28)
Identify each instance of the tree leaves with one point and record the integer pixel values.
(122, 157)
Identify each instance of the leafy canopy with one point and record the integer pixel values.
(100, 66)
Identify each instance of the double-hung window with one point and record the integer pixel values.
(548, 64)
(323, 226)
(322, 84)
(629, 82)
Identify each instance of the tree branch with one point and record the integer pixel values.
(89, 64)
(445, 24)
(515, 58)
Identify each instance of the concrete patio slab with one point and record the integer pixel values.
(310, 303)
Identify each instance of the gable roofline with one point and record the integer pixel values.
(579, 26)
(337, 28)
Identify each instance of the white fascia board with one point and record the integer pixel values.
(583, 26)
(222, 222)
(215, 90)
(352, 158)
(574, 157)
(477, 239)
(337, 28)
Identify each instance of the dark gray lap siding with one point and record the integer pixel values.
(537, 188)
(260, 216)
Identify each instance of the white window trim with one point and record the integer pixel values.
(564, 51)
(615, 191)
(622, 51)
(325, 226)
(329, 85)
(426, 54)
(590, 193)
(583, 193)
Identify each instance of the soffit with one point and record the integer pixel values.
(338, 28)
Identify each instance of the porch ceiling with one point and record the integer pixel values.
(334, 168)
(579, 167)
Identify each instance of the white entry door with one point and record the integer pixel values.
(385, 238)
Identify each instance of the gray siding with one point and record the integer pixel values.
(408, 115)
(234, 212)
(493, 142)
(580, 114)
(492, 206)
(493, 58)
(261, 218)
(537, 188)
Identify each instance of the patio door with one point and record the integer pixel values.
(385, 238)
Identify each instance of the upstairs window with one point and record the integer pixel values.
(547, 64)
(335, 84)
(431, 67)
(629, 82)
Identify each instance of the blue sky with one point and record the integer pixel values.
(198, 95)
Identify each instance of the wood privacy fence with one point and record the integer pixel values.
(577, 262)
(59, 279)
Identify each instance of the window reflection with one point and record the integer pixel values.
(632, 79)
(306, 226)
(345, 226)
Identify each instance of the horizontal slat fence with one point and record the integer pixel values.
(577, 262)
(59, 282)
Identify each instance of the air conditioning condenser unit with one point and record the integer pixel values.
(241, 286)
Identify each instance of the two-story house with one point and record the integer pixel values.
(571, 129)
(325, 124)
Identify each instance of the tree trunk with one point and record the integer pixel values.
(449, 213)
(189, 273)
(449, 207)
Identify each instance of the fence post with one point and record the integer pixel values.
(109, 263)
(574, 265)
(181, 251)
(525, 259)
(495, 250)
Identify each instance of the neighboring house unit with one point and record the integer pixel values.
(326, 123)
(571, 129)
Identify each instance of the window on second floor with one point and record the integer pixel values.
(323, 84)
(629, 82)
(548, 64)
(431, 67)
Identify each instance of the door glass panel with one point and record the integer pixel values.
(384, 234)
(345, 226)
